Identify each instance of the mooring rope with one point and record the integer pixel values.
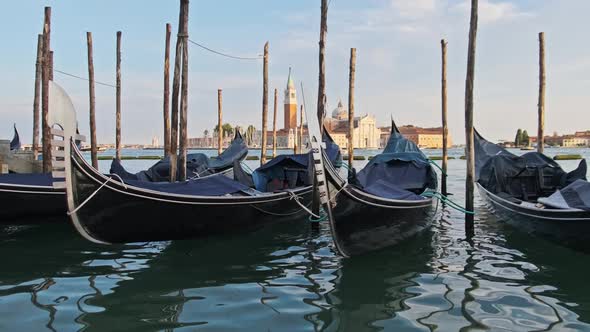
(445, 199)
(437, 166)
(294, 197)
(94, 193)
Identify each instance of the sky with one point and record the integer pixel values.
(397, 73)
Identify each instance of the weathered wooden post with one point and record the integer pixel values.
(301, 129)
(184, 10)
(38, 65)
(167, 91)
(351, 77)
(541, 105)
(118, 100)
(322, 62)
(219, 122)
(443, 45)
(274, 125)
(93, 147)
(295, 139)
(264, 105)
(50, 65)
(175, 95)
(470, 153)
(46, 130)
(315, 200)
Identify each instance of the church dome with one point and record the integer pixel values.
(340, 113)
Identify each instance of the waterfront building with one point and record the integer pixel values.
(366, 135)
(429, 138)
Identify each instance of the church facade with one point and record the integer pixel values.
(366, 135)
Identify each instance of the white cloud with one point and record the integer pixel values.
(413, 9)
(490, 12)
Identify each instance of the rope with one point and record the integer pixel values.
(323, 217)
(93, 194)
(224, 54)
(445, 199)
(437, 166)
(84, 79)
(296, 198)
(273, 213)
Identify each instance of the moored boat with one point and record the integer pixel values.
(533, 193)
(107, 209)
(382, 204)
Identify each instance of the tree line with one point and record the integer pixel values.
(522, 138)
(227, 130)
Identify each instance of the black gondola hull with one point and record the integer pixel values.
(30, 204)
(365, 223)
(117, 213)
(568, 228)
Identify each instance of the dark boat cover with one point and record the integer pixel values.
(197, 164)
(525, 177)
(15, 143)
(401, 172)
(289, 171)
(27, 179)
(214, 185)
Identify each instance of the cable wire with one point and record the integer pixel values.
(225, 54)
(84, 79)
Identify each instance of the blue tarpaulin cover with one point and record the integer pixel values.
(44, 179)
(214, 185)
(525, 177)
(400, 172)
(292, 170)
(197, 164)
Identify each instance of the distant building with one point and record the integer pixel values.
(366, 135)
(290, 104)
(570, 141)
(155, 142)
(579, 138)
(430, 138)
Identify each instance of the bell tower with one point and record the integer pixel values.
(290, 104)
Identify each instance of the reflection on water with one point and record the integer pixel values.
(288, 278)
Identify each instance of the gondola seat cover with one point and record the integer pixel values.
(215, 185)
(525, 177)
(197, 164)
(289, 171)
(574, 196)
(401, 172)
(27, 179)
(285, 171)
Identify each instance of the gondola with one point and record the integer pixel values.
(32, 198)
(107, 209)
(382, 204)
(197, 164)
(533, 193)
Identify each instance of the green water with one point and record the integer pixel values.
(288, 278)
